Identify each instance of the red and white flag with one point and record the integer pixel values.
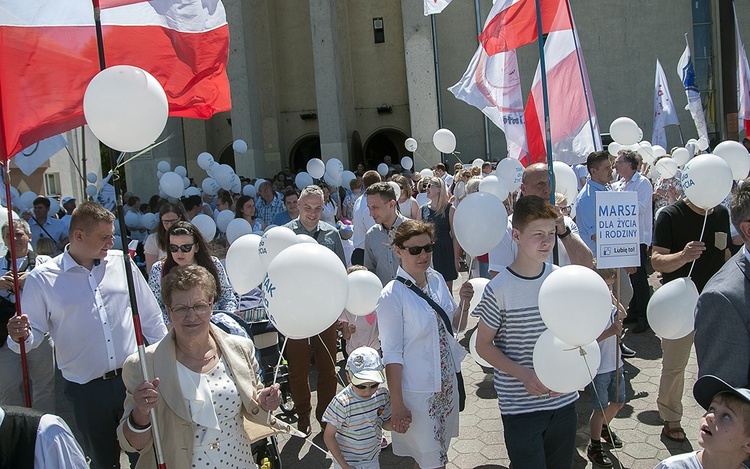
(492, 84)
(49, 55)
(574, 133)
(433, 7)
(743, 81)
(664, 111)
(513, 23)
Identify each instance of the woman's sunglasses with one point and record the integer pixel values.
(417, 250)
(183, 247)
(365, 386)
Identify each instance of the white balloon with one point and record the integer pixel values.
(407, 162)
(212, 168)
(236, 228)
(331, 180)
(210, 186)
(658, 151)
(204, 160)
(172, 185)
(364, 291)
(347, 177)
(562, 368)
(236, 184)
(258, 182)
(702, 144)
(646, 152)
(480, 222)
(181, 170)
(411, 145)
(273, 242)
(680, 156)
(240, 146)
(671, 309)
(249, 190)
(303, 238)
(667, 167)
(383, 169)
(293, 286)
(478, 283)
(205, 225)
(495, 186)
(159, 174)
(477, 162)
(473, 349)
(706, 180)
(444, 141)
(244, 268)
(614, 148)
(125, 107)
(132, 220)
(335, 168)
(91, 190)
(396, 189)
(511, 170)
(625, 131)
(27, 199)
(223, 176)
(149, 220)
(191, 191)
(316, 168)
(91, 177)
(575, 304)
(302, 180)
(736, 156)
(223, 219)
(566, 181)
(427, 173)
(54, 205)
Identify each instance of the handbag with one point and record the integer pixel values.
(448, 327)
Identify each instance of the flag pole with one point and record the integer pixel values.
(486, 119)
(436, 59)
(126, 256)
(16, 289)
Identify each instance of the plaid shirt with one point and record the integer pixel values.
(266, 212)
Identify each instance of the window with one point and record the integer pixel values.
(52, 184)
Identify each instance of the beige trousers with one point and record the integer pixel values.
(675, 355)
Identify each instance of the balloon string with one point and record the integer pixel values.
(461, 303)
(341, 380)
(142, 152)
(276, 372)
(596, 395)
(703, 230)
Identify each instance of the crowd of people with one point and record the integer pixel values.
(404, 360)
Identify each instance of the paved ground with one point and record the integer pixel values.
(480, 443)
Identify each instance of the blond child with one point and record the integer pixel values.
(359, 331)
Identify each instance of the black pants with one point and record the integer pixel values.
(98, 409)
(543, 439)
(641, 291)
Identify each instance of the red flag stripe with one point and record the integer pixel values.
(516, 25)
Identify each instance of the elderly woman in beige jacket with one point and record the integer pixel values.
(209, 401)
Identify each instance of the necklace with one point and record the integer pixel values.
(203, 359)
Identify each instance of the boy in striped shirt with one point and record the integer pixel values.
(358, 414)
(539, 424)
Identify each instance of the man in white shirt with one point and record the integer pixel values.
(81, 299)
(626, 166)
(362, 220)
(572, 249)
(43, 226)
(68, 204)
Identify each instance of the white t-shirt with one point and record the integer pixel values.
(681, 461)
(367, 331)
(608, 349)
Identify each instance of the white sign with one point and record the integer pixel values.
(617, 240)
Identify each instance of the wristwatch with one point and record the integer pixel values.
(565, 234)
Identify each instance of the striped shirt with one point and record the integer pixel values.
(359, 423)
(510, 306)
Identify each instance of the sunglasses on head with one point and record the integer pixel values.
(366, 386)
(183, 247)
(416, 250)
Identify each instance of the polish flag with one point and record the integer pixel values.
(433, 7)
(743, 80)
(574, 135)
(492, 84)
(664, 112)
(49, 55)
(513, 23)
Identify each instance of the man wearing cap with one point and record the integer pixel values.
(380, 255)
(722, 317)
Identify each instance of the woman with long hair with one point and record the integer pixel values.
(187, 246)
(155, 247)
(407, 204)
(246, 210)
(440, 212)
(331, 207)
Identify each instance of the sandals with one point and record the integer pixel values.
(673, 430)
(614, 441)
(596, 455)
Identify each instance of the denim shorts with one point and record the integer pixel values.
(604, 384)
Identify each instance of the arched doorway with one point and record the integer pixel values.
(227, 156)
(382, 143)
(303, 150)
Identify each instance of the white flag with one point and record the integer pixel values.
(492, 85)
(433, 7)
(664, 111)
(29, 159)
(686, 73)
(743, 81)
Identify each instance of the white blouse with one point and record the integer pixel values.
(409, 334)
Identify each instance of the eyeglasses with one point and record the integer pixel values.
(566, 209)
(427, 186)
(169, 221)
(417, 250)
(366, 386)
(200, 309)
(183, 247)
